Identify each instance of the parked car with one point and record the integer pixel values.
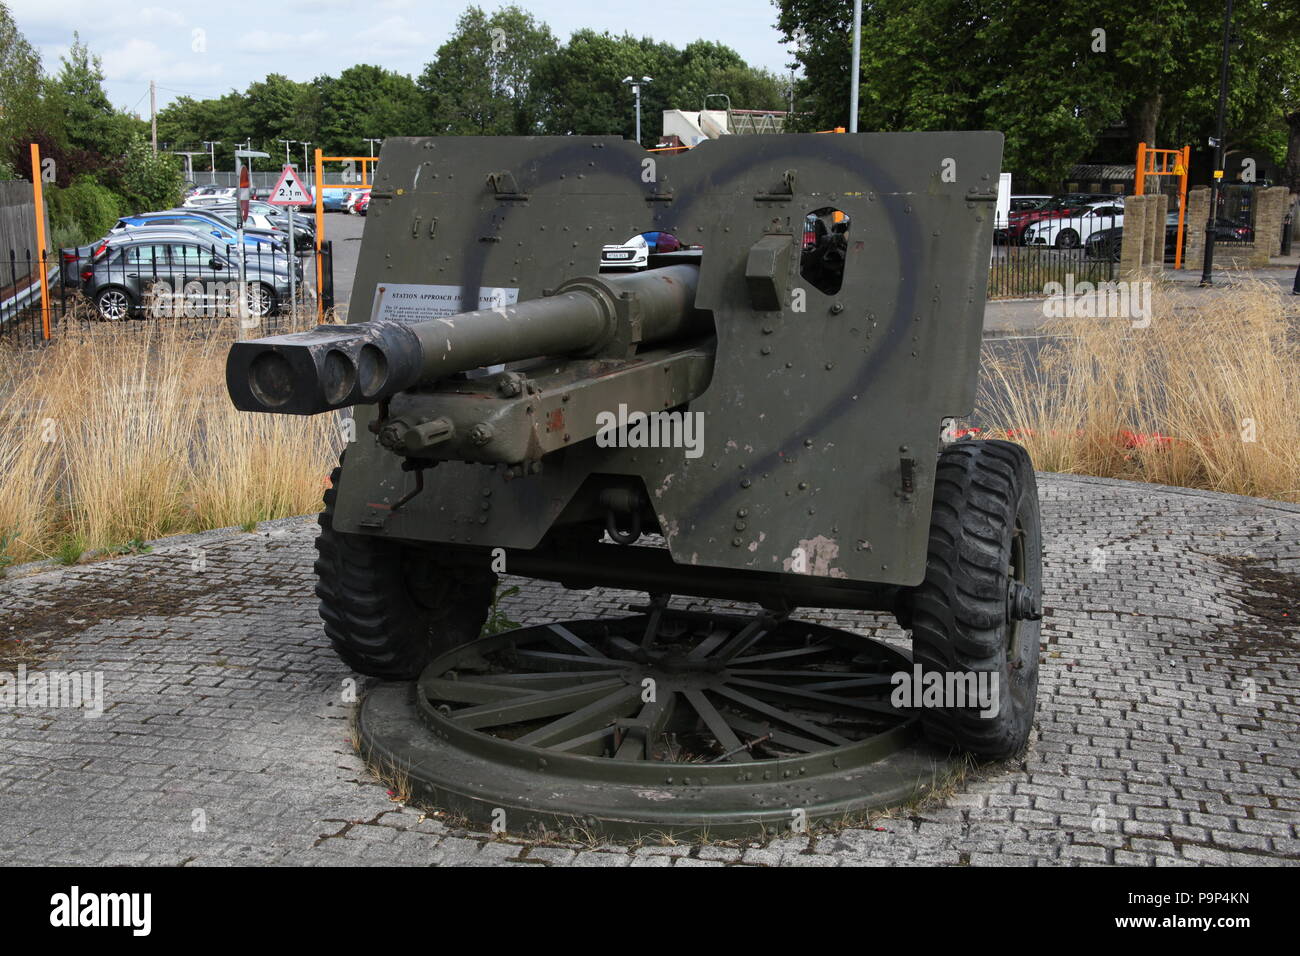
(304, 219)
(362, 204)
(202, 220)
(1107, 243)
(1019, 204)
(136, 262)
(1022, 202)
(206, 195)
(74, 259)
(354, 196)
(636, 252)
(1061, 205)
(335, 200)
(1071, 229)
(276, 226)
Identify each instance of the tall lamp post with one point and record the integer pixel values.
(636, 90)
(1207, 267)
(212, 145)
(856, 66)
(287, 144)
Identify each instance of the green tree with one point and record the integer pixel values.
(583, 85)
(367, 102)
(21, 82)
(482, 80)
(1052, 76)
(271, 111)
(150, 181)
(90, 122)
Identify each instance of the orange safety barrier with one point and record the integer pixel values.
(319, 195)
(1165, 162)
(39, 199)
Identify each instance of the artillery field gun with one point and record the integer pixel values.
(772, 409)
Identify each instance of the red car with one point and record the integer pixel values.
(362, 204)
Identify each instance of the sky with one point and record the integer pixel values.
(206, 49)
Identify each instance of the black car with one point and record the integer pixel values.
(304, 232)
(1106, 243)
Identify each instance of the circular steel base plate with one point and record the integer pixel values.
(711, 725)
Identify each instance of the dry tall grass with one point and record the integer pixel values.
(1207, 396)
(114, 435)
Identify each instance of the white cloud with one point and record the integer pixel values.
(263, 41)
(389, 35)
(139, 60)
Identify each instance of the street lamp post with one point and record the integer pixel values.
(1207, 267)
(636, 90)
(212, 155)
(287, 144)
(372, 146)
(306, 164)
(856, 66)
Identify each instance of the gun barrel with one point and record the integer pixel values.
(335, 366)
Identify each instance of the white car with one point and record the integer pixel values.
(212, 197)
(633, 254)
(350, 204)
(1073, 229)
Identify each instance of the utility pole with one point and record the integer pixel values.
(1207, 268)
(153, 115)
(856, 66)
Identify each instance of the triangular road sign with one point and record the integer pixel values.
(289, 191)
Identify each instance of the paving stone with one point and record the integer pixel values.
(230, 709)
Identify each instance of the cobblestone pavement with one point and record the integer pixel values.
(1167, 726)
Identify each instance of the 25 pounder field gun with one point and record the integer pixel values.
(770, 400)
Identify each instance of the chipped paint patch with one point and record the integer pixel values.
(668, 480)
(656, 795)
(819, 553)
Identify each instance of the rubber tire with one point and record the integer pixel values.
(376, 620)
(1067, 239)
(958, 615)
(272, 301)
(132, 307)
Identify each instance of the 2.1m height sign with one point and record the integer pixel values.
(289, 190)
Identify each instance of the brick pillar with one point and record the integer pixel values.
(1156, 241)
(1149, 230)
(1198, 211)
(1272, 208)
(1131, 254)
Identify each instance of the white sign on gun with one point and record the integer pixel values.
(289, 191)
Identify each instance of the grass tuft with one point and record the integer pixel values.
(112, 435)
(1206, 396)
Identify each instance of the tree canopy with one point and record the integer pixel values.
(1056, 78)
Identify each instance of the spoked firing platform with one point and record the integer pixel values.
(681, 722)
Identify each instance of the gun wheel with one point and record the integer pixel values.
(676, 721)
(977, 611)
(389, 607)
